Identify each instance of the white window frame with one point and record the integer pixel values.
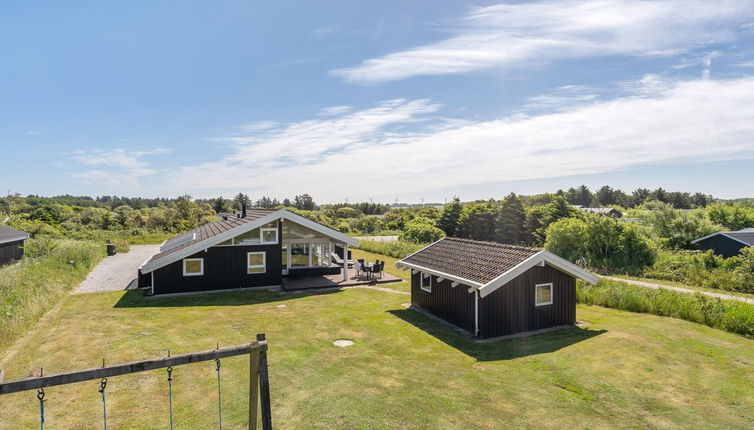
(552, 294)
(261, 235)
(256, 266)
(426, 288)
(201, 272)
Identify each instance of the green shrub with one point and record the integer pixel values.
(600, 242)
(420, 230)
(31, 287)
(397, 249)
(729, 315)
(706, 269)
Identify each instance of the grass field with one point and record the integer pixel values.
(405, 371)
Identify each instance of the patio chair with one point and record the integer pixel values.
(378, 267)
(358, 267)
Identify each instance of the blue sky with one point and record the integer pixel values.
(380, 100)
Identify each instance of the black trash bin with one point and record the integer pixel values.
(110, 248)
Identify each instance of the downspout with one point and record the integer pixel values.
(476, 313)
(152, 293)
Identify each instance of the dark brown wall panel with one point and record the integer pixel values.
(511, 308)
(453, 304)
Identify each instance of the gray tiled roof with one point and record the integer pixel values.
(210, 230)
(471, 259)
(7, 234)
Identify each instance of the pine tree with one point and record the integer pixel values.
(510, 221)
(448, 221)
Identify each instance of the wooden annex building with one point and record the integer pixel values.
(255, 248)
(726, 243)
(492, 289)
(11, 244)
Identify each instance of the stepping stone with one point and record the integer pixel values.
(342, 343)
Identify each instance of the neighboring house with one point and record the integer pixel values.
(726, 243)
(252, 249)
(492, 289)
(11, 244)
(615, 213)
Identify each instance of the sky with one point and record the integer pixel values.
(390, 100)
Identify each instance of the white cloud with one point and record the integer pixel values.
(398, 146)
(117, 167)
(335, 110)
(512, 35)
(562, 98)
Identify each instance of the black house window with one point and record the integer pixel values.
(543, 294)
(425, 283)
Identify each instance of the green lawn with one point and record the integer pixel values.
(405, 371)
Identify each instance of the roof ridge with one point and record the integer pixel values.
(493, 243)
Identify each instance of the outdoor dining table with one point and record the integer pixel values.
(367, 267)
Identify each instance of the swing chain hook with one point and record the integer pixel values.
(217, 364)
(41, 395)
(102, 385)
(170, 373)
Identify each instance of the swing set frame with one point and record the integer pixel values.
(259, 383)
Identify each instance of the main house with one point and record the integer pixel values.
(11, 244)
(492, 289)
(726, 243)
(255, 248)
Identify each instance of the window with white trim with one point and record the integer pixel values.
(425, 283)
(543, 294)
(193, 266)
(269, 236)
(256, 262)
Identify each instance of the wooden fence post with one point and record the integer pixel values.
(253, 388)
(264, 387)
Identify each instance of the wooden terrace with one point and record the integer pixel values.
(336, 280)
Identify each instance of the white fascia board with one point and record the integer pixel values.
(707, 236)
(510, 274)
(736, 239)
(546, 257)
(722, 233)
(212, 241)
(319, 228)
(458, 279)
(14, 238)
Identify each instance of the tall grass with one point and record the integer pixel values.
(397, 249)
(733, 316)
(31, 287)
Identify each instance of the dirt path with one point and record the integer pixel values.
(680, 289)
(117, 272)
(378, 238)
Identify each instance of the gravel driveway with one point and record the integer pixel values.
(117, 272)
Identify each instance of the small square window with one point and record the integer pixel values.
(256, 262)
(425, 283)
(269, 235)
(543, 294)
(193, 267)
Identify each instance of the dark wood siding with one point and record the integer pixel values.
(11, 251)
(224, 267)
(453, 304)
(511, 308)
(721, 245)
